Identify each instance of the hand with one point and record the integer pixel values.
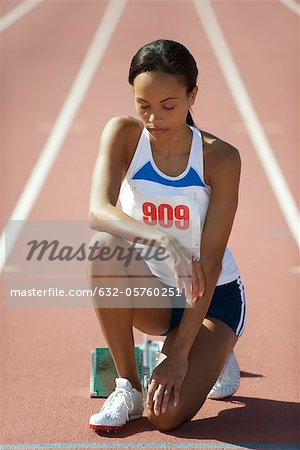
(198, 280)
(168, 375)
(188, 270)
(179, 260)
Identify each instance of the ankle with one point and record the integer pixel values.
(134, 383)
(138, 387)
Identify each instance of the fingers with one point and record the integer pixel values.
(198, 278)
(188, 291)
(181, 264)
(186, 273)
(195, 286)
(165, 398)
(179, 284)
(183, 280)
(151, 392)
(159, 393)
(193, 283)
(201, 278)
(155, 394)
(195, 289)
(161, 397)
(186, 283)
(176, 396)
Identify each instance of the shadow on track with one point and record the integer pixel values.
(255, 420)
(250, 420)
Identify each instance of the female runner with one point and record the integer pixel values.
(162, 185)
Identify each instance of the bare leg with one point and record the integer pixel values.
(117, 322)
(209, 352)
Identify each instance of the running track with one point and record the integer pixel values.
(51, 119)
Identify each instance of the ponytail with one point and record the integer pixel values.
(189, 119)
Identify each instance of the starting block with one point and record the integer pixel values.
(103, 372)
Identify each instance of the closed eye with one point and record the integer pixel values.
(168, 109)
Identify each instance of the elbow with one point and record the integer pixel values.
(94, 219)
(97, 217)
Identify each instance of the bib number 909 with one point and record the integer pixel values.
(166, 215)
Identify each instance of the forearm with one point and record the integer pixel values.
(115, 221)
(193, 316)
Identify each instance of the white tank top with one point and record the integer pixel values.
(177, 205)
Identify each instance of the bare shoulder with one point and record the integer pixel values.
(220, 157)
(119, 140)
(219, 150)
(122, 133)
(124, 127)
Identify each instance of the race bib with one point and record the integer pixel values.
(178, 215)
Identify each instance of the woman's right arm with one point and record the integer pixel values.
(117, 136)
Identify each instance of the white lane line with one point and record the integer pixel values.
(64, 120)
(18, 12)
(292, 5)
(251, 121)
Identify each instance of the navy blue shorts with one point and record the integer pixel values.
(228, 305)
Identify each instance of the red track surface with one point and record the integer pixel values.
(45, 352)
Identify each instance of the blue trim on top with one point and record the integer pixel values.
(148, 173)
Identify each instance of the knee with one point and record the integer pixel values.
(102, 239)
(101, 245)
(168, 421)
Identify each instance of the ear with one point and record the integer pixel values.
(192, 96)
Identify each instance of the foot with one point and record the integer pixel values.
(229, 380)
(125, 403)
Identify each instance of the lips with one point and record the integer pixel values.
(156, 131)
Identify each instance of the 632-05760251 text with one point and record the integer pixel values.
(140, 291)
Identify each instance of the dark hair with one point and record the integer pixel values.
(169, 57)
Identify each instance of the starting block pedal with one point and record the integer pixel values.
(103, 372)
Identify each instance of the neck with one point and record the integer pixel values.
(178, 144)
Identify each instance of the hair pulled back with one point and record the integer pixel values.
(169, 57)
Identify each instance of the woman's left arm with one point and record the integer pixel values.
(223, 168)
(223, 165)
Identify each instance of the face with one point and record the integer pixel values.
(162, 103)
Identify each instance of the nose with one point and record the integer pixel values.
(154, 117)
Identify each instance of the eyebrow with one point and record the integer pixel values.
(169, 98)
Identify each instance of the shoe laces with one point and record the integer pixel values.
(117, 398)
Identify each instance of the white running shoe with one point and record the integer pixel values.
(229, 380)
(125, 403)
